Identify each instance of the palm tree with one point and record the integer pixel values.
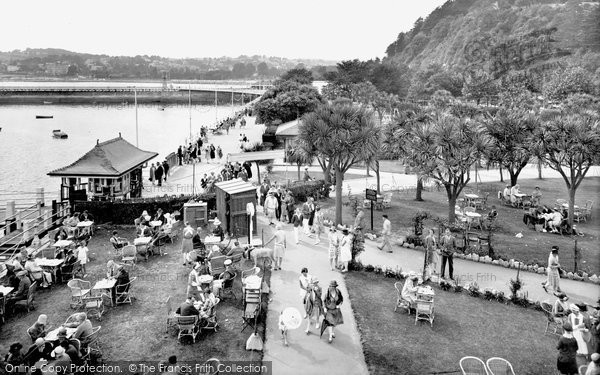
(340, 135)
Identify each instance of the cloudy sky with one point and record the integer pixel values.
(326, 29)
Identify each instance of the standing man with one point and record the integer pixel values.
(264, 189)
(158, 173)
(248, 167)
(152, 173)
(553, 279)
(386, 232)
(166, 168)
(358, 221)
(180, 155)
(448, 244)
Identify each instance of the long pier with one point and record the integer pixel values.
(11, 90)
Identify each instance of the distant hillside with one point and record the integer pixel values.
(452, 28)
(52, 62)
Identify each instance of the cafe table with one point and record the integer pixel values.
(212, 240)
(470, 199)
(108, 285)
(53, 335)
(5, 290)
(62, 243)
(473, 217)
(85, 227)
(51, 265)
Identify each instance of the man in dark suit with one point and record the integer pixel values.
(180, 155)
(187, 309)
(158, 174)
(22, 291)
(38, 350)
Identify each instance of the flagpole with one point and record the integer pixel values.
(136, 117)
(190, 106)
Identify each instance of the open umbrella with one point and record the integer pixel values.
(291, 318)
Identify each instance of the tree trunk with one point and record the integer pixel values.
(339, 176)
(258, 172)
(513, 177)
(501, 177)
(539, 169)
(299, 178)
(571, 206)
(419, 197)
(451, 205)
(576, 255)
(378, 177)
(327, 174)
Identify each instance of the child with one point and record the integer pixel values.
(283, 329)
(82, 255)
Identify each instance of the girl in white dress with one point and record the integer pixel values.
(346, 250)
(334, 247)
(577, 321)
(82, 255)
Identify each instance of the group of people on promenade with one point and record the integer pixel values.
(159, 172)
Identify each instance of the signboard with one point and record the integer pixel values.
(371, 195)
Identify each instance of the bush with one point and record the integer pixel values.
(473, 289)
(369, 268)
(445, 285)
(500, 297)
(125, 212)
(458, 288)
(302, 190)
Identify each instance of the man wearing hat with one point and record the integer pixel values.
(187, 308)
(225, 276)
(594, 366)
(69, 348)
(15, 357)
(271, 206)
(553, 279)
(21, 292)
(385, 233)
(62, 361)
(218, 231)
(38, 329)
(567, 351)
(40, 349)
(83, 325)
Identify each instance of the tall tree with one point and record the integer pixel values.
(444, 149)
(571, 143)
(300, 75)
(343, 135)
(287, 101)
(511, 137)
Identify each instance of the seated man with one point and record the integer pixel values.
(215, 252)
(38, 350)
(409, 290)
(61, 234)
(122, 285)
(218, 231)
(187, 308)
(199, 246)
(227, 275)
(235, 250)
(62, 361)
(22, 292)
(10, 278)
(67, 267)
(83, 325)
(70, 349)
(536, 197)
(118, 242)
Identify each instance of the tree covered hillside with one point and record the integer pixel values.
(441, 38)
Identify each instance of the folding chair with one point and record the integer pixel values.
(187, 326)
(252, 305)
(401, 302)
(473, 366)
(499, 366)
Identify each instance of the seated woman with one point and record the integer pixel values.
(536, 197)
(218, 231)
(67, 266)
(199, 246)
(143, 231)
(409, 290)
(61, 234)
(561, 309)
(207, 302)
(38, 329)
(160, 216)
(122, 284)
(118, 242)
(514, 200)
(43, 278)
(553, 221)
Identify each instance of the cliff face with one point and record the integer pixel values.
(454, 33)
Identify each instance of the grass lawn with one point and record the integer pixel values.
(463, 326)
(137, 332)
(533, 247)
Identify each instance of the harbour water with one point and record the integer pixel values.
(28, 151)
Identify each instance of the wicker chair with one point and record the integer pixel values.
(227, 286)
(473, 366)
(79, 290)
(129, 254)
(170, 315)
(187, 326)
(499, 366)
(551, 320)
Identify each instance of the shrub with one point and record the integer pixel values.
(301, 191)
(500, 297)
(473, 289)
(489, 295)
(445, 285)
(369, 268)
(125, 212)
(389, 272)
(355, 265)
(413, 239)
(458, 288)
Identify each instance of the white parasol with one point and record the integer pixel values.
(291, 318)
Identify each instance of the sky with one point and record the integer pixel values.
(322, 29)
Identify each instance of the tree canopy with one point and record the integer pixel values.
(286, 101)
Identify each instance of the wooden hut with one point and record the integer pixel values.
(232, 199)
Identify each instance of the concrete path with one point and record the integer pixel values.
(486, 275)
(309, 354)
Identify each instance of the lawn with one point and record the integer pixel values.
(533, 247)
(463, 326)
(137, 332)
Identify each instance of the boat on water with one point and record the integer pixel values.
(43, 116)
(45, 102)
(57, 133)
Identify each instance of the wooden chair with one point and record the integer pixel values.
(499, 366)
(473, 366)
(170, 315)
(90, 344)
(79, 290)
(217, 265)
(551, 321)
(129, 255)
(401, 302)
(123, 292)
(227, 287)
(187, 326)
(28, 303)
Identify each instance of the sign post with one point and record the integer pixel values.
(371, 195)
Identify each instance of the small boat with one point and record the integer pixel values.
(42, 116)
(57, 133)
(45, 102)
(161, 109)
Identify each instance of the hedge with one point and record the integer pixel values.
(302, 190)
(125, 212)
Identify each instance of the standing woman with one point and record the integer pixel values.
(346, 250)
(567, 352)
(297, 220)
(318, 224)
(279, 247)
(431, 255)
(212, 151)
(313, 304)
(553, 279)
(192, 287)
(334, 247)
(207, 153)
(152, 170)
(219, 152)
(187, 244)
(333, 315)
(577, 321)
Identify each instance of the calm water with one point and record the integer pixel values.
(28, 151)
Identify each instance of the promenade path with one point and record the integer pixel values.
(309, 354)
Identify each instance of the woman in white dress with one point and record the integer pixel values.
(187, 244)
(345, 250)
(318, 224)
(334, 247)
(279, 246)
(577, 321)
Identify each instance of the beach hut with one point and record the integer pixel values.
(232, 199)
(110, 170)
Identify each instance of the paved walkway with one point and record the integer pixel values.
(309, 354)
